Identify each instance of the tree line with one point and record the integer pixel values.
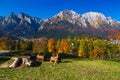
(90, 47)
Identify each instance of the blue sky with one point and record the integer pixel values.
(48, 8)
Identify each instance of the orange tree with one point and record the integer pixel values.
(51, 45)
(64, 46)
(99, 50)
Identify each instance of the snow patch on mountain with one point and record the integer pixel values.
(68, 14)
(92, 16)
(95, 19)
(24, 17)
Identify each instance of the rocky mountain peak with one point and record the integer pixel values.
(1, 18)
(68, 14)
(95, 18)
(92, 16)
(12, 15)
(21, 15)
(29, 19)
(86, 20)
(24, 17)
(11, 19)
(20, 25)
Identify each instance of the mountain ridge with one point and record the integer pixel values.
(92, 19)
(66, 22)
(19, 25)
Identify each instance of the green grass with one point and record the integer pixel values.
(69, 69)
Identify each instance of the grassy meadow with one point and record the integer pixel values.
(68, 69)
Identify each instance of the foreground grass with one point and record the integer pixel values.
(69, 69)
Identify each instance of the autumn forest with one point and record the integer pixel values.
(88, 47)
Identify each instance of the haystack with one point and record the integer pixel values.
(21, 62)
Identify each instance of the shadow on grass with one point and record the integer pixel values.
(4, 58)
(66, 61)
(64, 56)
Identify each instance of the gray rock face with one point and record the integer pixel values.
(19, 25)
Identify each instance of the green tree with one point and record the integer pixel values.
(40, 45)
(83, 48)
(74, 44)
(58, 44)
(112, 50)
(99, 50)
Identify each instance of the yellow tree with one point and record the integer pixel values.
(97, 53)
(57, 44)
(99, 49)
(40, 45)
(82, 51)
(51, 45)
(64, 46)
(85, 47)
(3, 45)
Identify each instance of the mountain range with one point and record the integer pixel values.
(19, 25)
(65, 23)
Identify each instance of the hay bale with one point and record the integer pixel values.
(6, 64)
(16, 63)
(21, 62)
